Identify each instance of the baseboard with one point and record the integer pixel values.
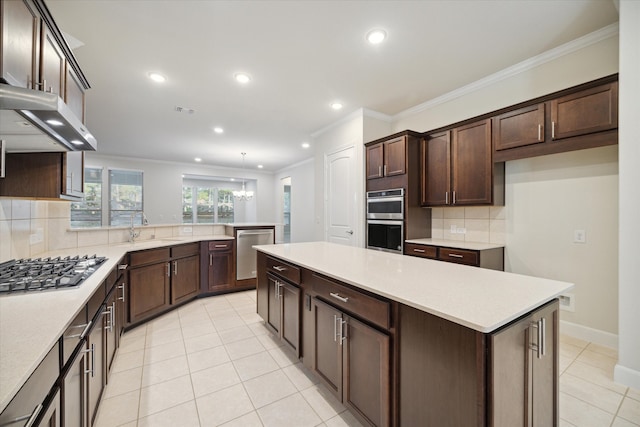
(626, 376)
(586, 333)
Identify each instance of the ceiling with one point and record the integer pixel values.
(301, 55)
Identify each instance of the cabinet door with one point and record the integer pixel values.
(589, 111)
(52, 63)
(509, 372)
(290, 309)
(121, 307)
(73, 174)
(518, 128)
(96, 359)
(273, 304)
(327, 349)
(220, 270)
(367, 376)
(74, 387)
(148, 290)
(74, 93)
(544, 410)
(20, 40)
(436, 170)
(472, 168)
(185, 279)
(52, 416)
(110, 330)
(375, 161)
(395, 152)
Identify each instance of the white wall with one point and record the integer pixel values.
(163, 187)
(550, 196)
(302, 199)
(628, 369)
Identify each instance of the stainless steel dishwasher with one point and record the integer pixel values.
(246, 258)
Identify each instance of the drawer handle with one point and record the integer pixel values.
(456, 256)
(279, 268)
(338, 297)
(419, 250)
(123, 266)
(86, 327)
(221, 246)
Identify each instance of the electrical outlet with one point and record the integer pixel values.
(454, 229)
(187, 229)
(567, 302)
(461, 230)
(579, 236)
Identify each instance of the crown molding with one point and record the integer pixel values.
(528, 64)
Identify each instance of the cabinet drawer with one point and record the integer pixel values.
(459, 256)
(422, 251)
(284, 270)
(95, 302)
(72, 336)
(148, 257)
(185, 250)
(366, 307)
(221, 245)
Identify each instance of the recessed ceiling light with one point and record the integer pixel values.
(376, 36)
(218, 130)
(232, 179)
(260, 166)
(336, 105)
(157, 77)
(306, 145)
(198, 159)
(242, 78)
(54, 122)
(76, 142)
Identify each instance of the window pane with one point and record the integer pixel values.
(205, 205)
(125, 197)
(88, 213)
(187, 205)
(225, 205)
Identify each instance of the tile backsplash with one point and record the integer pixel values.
(484, 224)
(30, 228)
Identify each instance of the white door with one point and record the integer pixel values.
(340, 197)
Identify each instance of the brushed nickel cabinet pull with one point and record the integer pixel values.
(553, 130)
(279, 268)
(539, 132)
(168, 269)
(385, 170)
(456, 256)
(446, 197)
(338, 297)
(418, 250)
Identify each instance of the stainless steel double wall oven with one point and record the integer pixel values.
(385, 220)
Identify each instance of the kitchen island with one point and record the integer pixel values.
(409, 341)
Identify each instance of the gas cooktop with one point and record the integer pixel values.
(40, 274)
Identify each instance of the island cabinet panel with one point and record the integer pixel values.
(327, 361)
(523, 369)
(441, 373)
(283, 311)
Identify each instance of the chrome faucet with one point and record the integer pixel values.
(132, 231)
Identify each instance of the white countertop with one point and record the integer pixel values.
(475, 246)
(478, 298)
(31, 323)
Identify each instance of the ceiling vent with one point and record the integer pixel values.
(185, 110)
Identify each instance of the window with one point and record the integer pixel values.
(125, 197)
(210, 204)
(88, 213)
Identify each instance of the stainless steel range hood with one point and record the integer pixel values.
(36, 121)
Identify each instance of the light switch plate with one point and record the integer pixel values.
(579, 236)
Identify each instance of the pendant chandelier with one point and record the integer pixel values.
(243, 194)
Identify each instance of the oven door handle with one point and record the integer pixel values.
(384, 222)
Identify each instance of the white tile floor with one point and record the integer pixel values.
(213, 363)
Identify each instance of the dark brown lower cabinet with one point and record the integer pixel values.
(51, 416)
(217, 266)
(148, 290)
(283, 310)
(110, 330)
(185, 279)
(523, 367)
(74, 385)
(96, 372)
(353, 360)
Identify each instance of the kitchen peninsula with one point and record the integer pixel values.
(409, 341)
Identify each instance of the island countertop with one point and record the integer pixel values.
(478, 298)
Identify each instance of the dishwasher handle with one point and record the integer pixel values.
(253, 233)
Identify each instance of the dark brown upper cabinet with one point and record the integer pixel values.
(457, 168)
(577, 118)
(387, 158)
(585, 112)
